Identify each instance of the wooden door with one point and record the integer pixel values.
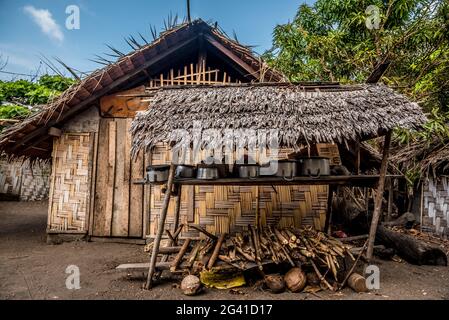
(119, 203)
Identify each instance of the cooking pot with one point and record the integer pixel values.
(248, 170)
(207, 173)
(184, 171)
(315, 166)
(157, 173)
(287, 169)
(223, 168)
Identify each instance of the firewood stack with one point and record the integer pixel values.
(258, 247)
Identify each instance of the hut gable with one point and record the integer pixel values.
(175, 49)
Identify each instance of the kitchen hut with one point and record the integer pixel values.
(303, 115)
(193, 73)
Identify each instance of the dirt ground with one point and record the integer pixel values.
(32, 269)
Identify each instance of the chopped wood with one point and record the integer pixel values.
(202, 230)
(180, 255)
(217, 248)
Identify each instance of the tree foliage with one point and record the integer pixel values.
(330, 41)
(33, 93)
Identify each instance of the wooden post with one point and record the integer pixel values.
(160, 230)
(357, 157)
(177, 209)
(257, 208)
(379, 196)
(390, 187)
(330, 197)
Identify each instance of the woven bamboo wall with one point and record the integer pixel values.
(231, 208)
(29, 183)
(69, 191)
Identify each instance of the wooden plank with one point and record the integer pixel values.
(103, 212)
(120, 210)
(146, 199)
(123, 104)
(250, 71)
(136, 208)
(92, 177)
(52, 184)
(361, 180)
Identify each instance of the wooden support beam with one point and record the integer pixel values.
(160, 229)
(54, 132)
(251, 72)
(379, 196)
(330, 197)
(177, 211)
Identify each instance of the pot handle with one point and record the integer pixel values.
(314, 176)
(289, 178)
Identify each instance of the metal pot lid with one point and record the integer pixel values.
(158, 167)
(313, 157)
(185, 166)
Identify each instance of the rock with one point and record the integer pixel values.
(191, 285)
(275, 283)
(295, 279)
(312, 279)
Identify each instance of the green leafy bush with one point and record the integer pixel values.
(40, 92)
(13, 112)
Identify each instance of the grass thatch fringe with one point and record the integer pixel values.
(300, 115)
(423, 157)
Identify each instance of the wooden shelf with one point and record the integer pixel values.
(353, 180)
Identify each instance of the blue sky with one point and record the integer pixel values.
(30, 28)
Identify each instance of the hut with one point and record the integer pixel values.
(21, 181)
(193, 72)
(428, 159)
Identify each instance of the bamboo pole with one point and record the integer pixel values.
(160, 230)
(379, 196)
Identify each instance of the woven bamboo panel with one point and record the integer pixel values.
(10, 177)
(69, 194)
(232, 208)
(329, 150)
(19, 178)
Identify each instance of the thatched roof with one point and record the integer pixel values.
(426, 158)
(302, 114)
(30, 138)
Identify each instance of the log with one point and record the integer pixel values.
(407, 247)
(180, 255)
(407, 220)
(357, 283)
(411, 249)
(216, 252)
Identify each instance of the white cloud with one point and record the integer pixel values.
(44, 19)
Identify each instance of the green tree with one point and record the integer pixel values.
(330, 41)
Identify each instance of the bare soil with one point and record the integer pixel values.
(32, 269)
